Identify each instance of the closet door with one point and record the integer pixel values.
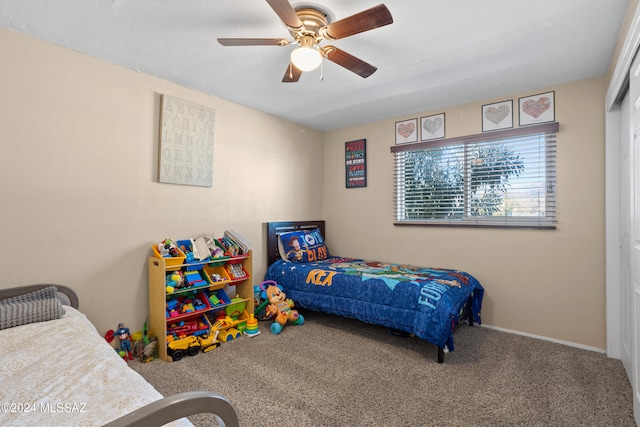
(632, 243)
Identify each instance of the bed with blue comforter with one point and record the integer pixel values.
(426, 302)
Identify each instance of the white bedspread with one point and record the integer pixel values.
(63, 373)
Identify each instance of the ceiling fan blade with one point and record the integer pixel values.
(292, 74)
(286, 13)
(366, 20)
(253, 42)
(348, 61)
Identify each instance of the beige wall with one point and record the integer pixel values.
(546, 283)
(81, 204)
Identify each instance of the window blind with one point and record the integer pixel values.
(502, 179)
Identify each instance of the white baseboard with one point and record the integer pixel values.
(570, 344)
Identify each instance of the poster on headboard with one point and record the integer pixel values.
(355, 154)
(186, 143)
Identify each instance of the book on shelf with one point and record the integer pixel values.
(238, 245)
(229, 246)
(241, 240)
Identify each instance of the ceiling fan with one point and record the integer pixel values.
(309, 26)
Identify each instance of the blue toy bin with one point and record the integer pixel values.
(192, 264)
(222, 296)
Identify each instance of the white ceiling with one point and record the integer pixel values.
(437, 53)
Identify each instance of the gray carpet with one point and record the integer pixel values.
(333, 371)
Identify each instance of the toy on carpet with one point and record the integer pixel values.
(137, 346)
(260, 303)
(150, 351)
(229, 334)
(252, 327)
(279, 306)
(125, 340)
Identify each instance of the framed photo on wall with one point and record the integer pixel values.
(355, 163)
(497, 116)
(432, 127)
(407, 131)
(537, 109)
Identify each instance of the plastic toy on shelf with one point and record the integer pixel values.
(174, 281)
(193, 278)
(183, 328)
(167, 248)
(236, 271)
(187, 304)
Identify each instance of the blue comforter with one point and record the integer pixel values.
(426, 302)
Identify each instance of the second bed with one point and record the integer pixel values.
(426, 302)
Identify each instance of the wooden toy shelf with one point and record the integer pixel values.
(159, 268)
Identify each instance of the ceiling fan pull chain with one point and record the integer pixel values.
(322, 71)
(290, 70)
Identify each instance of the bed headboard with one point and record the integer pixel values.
(66, 295)
(276, 228)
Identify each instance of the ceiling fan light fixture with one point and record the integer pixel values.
(306, 58)
(310, 26)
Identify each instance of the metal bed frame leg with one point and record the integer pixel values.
(440, 355)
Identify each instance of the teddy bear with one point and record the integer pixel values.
(279, 306)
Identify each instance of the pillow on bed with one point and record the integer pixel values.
(44, 293)
(302, 246)
(32, 307)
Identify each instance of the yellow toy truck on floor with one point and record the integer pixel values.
(279, 306)
(192, 345)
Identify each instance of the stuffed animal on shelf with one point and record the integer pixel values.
(279, 306)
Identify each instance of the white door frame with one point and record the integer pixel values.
(618, 293)
(612, 232)
(618, 85)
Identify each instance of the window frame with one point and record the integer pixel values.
(548, 223)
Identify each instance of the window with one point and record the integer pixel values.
(503, 178)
